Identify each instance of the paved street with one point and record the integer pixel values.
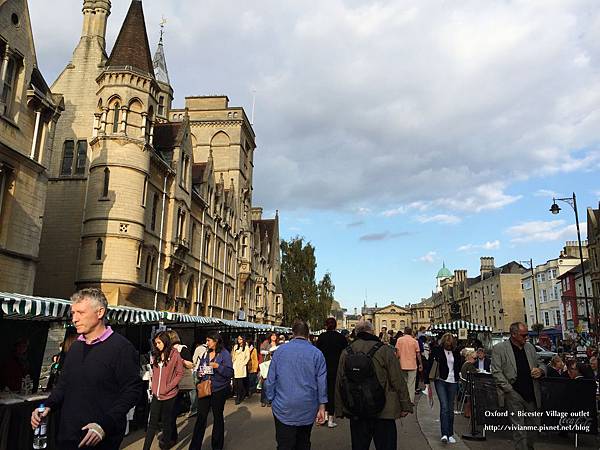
(250, 425)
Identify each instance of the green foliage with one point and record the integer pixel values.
(537, 327)
(303, 298)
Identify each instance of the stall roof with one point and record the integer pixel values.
(28, 307)
(458, 324)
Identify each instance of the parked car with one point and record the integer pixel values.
(544, 355)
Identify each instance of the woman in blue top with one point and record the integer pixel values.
(219, 360)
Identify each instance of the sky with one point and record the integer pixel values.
(395, 136)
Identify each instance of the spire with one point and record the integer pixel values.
(132, 48)
(159, 62)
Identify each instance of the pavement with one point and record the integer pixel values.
(250, 426)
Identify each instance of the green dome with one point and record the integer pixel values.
(444, 272)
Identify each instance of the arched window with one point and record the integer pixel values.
(106, 182)
(99, 250)
(116, 116)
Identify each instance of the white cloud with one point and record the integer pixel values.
(439, 218)
(447, 104)
(362, 211)
(429, 257)
(542, 231)
(489, 245)
(546, 193)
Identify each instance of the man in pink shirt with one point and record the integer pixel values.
(407, 351)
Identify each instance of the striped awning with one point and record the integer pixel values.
(458, 324)
(28, 307)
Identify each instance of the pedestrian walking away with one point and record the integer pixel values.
(515, 368)
(332, 344)
(371, 390)
(217, 367)
(407, 350)
(100, 381)
(446, 362)
(167, 371)
(297, 388)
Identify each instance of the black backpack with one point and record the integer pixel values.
(362, 394)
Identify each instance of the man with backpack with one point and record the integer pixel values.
(371, 390)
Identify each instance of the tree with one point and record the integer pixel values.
(325, 291)
(302, 297)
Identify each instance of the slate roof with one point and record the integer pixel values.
(132, 47)
(167, 135)
(198, 170)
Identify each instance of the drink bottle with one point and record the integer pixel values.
(40, 439)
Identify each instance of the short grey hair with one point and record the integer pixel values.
(363, 326)
(94, 295)
(514, 327)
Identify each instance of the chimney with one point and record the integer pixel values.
(487, 265)
(257, 213)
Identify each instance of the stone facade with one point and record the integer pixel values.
(153, 204)
(547, 289)
(496, 296)
(421, 313)
(28, 115)
(593, 236)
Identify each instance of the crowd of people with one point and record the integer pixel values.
(306, 381)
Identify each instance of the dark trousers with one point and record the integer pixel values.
(291, 437)
(239, 386)
(160, 410)
(216, 402)
(252, 381)
(381, 431)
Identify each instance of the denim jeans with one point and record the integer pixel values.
(446, 393)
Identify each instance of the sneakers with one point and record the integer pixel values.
(445, 439)
(451, 440)
(331, 423)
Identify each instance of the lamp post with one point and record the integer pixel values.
(555, 209)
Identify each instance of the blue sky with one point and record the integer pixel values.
(435, 131)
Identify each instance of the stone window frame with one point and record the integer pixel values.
(74, 161)
(10, 80)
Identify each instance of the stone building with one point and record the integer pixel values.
(28, 115)
(548, 289)
(593, 236)
(150, 203)
(393, 317)
(421, 313)
(496, 296)
(455, 302)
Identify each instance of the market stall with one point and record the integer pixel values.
(41, 323)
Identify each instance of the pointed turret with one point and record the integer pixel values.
(132, 48)
(165, 97)
(160, 63)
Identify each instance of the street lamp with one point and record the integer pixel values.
(555, 209)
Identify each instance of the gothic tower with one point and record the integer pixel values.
(120, 164)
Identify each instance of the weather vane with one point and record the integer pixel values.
(162, 27)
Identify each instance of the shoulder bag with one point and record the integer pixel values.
(434, 372)
(204, 388)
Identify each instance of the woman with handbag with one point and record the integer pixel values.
(215, 372)
(167, 370)
(240, 357)
(444, 371)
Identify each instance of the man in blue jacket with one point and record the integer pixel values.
(297, 387)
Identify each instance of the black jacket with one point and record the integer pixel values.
(486, 363)
(439, 355)
(332, 344)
